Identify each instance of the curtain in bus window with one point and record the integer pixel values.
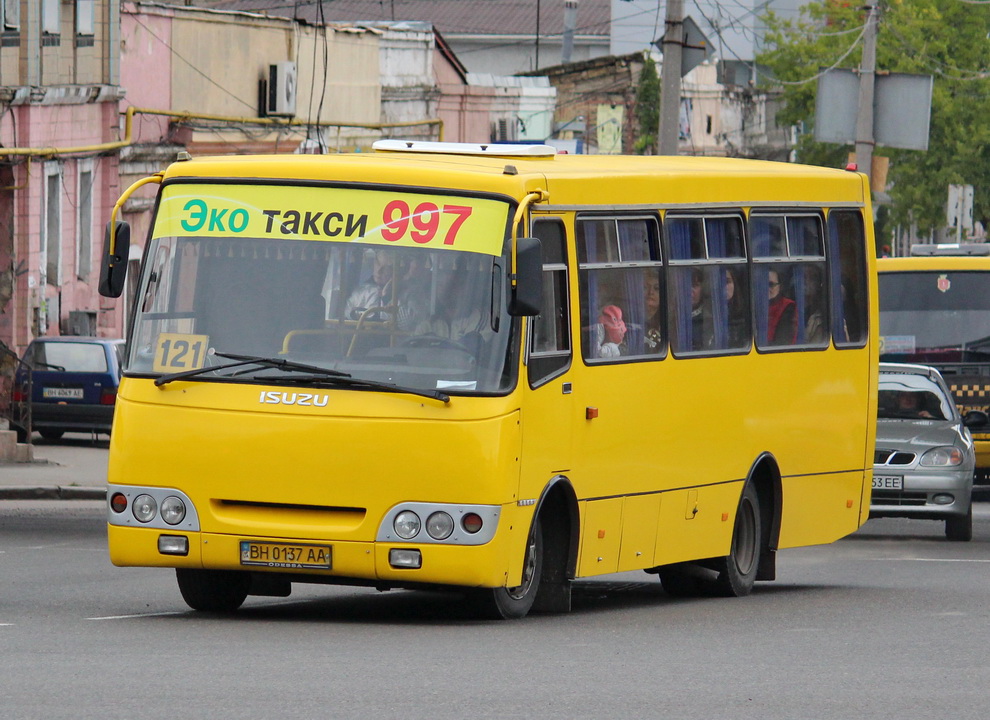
(760, 234)
(717, 247)
(680, 247)
(798, 295)
(634, 247)
(847, 266)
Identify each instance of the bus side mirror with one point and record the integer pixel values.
(527, 295)
(113, 269)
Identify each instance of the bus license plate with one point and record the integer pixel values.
(285, 555)
(888, 482)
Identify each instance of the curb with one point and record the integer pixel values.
(52, 492)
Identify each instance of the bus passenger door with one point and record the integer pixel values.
(548, 409)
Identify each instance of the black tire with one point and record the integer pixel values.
(213, 590)
(516, 602)
(737, 570)
(959, 528)
(51, 434)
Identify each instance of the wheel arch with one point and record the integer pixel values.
(764, 475)
(559, 518)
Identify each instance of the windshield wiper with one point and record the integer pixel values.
(270, 362)
(348, 381)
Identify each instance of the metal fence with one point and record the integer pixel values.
(15, 393)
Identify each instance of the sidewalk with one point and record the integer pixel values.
(74, 468)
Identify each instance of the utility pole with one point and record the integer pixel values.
(867, 82)
(670, 85)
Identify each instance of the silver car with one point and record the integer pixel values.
(924, 460)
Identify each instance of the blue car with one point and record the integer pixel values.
(73, 386)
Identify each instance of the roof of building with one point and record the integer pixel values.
(451, 17)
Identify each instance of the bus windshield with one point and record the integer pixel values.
(427, 317)
(935, 317)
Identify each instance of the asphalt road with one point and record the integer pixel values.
(890, 623)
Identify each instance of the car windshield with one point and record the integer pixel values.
(421, 317)
(930, 317)
(69, 357)
(912, 397)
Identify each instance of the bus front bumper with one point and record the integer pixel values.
(371, 563)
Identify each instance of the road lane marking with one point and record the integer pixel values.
(139, 615)
(946, 560)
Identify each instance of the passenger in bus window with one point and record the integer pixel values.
(609, 333)
(701, 322)
(815, 330)
(736, 305)
(781, 313)
(653, 337)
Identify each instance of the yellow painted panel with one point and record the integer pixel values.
(640, 514)
(708, 534)
(601, 537)
(821, 509)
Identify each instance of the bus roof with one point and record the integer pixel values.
(570, 179)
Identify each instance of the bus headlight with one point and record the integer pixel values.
(173, 510)
(942, 457)
(407, 524)
(439, 525)
(144, 508)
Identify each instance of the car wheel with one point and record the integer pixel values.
(51, 434)
(960, 527)
(737, 570)
(515, 602)
(213, 590)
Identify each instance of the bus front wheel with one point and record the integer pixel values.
(737, 570)
(515, 602)
(213, 590)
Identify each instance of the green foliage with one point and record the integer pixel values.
(947, 39)
(647, 108)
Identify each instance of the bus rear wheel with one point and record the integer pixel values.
(213, 590)
(515, 602)
(737, 570)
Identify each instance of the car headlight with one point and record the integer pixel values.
(942, 457)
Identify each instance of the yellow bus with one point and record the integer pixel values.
(492, 369)
(935, 310)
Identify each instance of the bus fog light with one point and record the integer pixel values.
(173, 510)
(403, 558)
(144, 508)
(943, 499)
(439, 525)
(173, 545)
(407, 524)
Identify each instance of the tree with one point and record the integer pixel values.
(647, 108)
(943, 38)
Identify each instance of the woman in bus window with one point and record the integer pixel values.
(736, 305)
(781, 313)
(651, 301)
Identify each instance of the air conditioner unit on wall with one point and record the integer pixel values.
(281, 89)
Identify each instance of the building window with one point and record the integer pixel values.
(84, 222)
(10, 14)
(51, 242)
(51, 17)
(85, 17)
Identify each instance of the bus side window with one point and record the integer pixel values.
(550, 335)
(847, 263)
(618, 260)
